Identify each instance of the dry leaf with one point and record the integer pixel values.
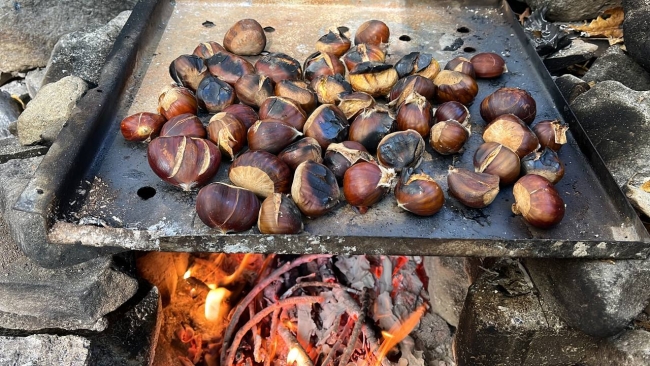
(524, 15)
(600, 27)
(612, 41)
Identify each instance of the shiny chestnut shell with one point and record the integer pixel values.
(476, 190)
(448, 137)
(419, 63)
(340, 157)
(205, 50)
(260, 172)
(279, 215)
(371, 126)
(415, 114)
(229, 67)
(278, 67)
(400, 150)
(461, 64)
(331, 88)
(245, 38)
(496, 159)
(253, 89)
(245, 114)
(334, 42)
(452, 110)
(327, 124)
(454, 85)
(513, 133)
(141, 126)
(418, 193)
(537, 201)
(551, 134)
(271, 135)
(488, 65)
(413, 83)
(299, 92)
(374, 78)
(214, 94)
(177, 100)
(285, 110)
(372, 32)
(184, 125)
(228, 133)
(314, 189)
(366, 183)
(543, 162)
(509, 101)
(301, 151)
(322, 63)
(353, 104)
(188, 71)
(227, 208)
(363, 53)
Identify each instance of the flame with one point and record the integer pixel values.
(215, 303)
(398, 332)
(297, 357)
(187, 274)
(211, 286)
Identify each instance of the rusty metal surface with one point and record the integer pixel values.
(113, 213)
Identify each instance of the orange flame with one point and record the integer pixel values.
(187, 274)
(398, 332)
(215, 303)
(296, 357)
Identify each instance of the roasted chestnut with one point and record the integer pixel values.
(551, 134)
(509, 101)
(372, 32)
(271, 135)
(415, 114)
(278, 67)
(476, 190)
(188, 71)
(412, 83)
(253, 89)
(452, 110)
(227, 132)
(340, 157)
(185, 162)
(461, 64)
(448, 137)
(402, 149)
(363, 53)
(299, 92)
(322, 63)
(513, 133)
(371, 126)
(279, 215)
(418, 193)
(214, 94)
(260, 172)
(419, 63)
(488, 65)
(227, 208)
(285, 110)
(142, 126)
(373, 78)
(229, 67)
(184, 125)
(352, 104)
(205, 50)
(176, 100)
(365, 184)
(496, 159)
(454, 85)
(327, 124)
(537, 201)
(334, 42)
(330, 89)
(245, 38)
(245, 114)
(545, 163)
(301, 151)
(314, 189)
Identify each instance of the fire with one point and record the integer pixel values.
(296, 357)
(398, 332)
(215, 303)
(187, 274)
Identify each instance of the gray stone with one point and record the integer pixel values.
(449, 280)
(578, 51)
(573, 10)
(83, 54)
(571, 86)
(636, 28)
(17, 88)
(615, 65)
(34, 80)
(29, 29)
(10, 149)
(49, 110)
(637, 190)
(10, 109)
(45, 349)
(630, 348)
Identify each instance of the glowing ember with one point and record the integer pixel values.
(187, 274)
(215, 304)
(295, 357)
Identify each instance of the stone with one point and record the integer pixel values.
(578, 51)
(29, 29)
(573, 10)
(163, 269)
(630, 348)
(17, 88)
(45, 349)
(49, 110)
(34, 80)
(10, 149)
(83, 54)
(10, 109)
(636, 28)
(449, 280)
(615, 65)
(637, 190)
(571, 86)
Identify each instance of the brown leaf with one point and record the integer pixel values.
(524, 15)
(601, 27)
(613, 41)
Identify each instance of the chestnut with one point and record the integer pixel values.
(454, 85)
(366, 183)
(448, 137)
(545, 163)
(331, 88)
(418, 193)
(245, 114)
(299, 92)
(205, 50)
(415, 114)
(279, 215)
(228, 133)
(334, 42)
(245, 38)
(461, 64)
(271, 135)
(513, 133)
(352, 104)
(182, 161)
(551, 134)
(402, 149)
(488, 65)
(371, 126)
(322, 63)
(301, 151)
(412, 83)
(509, 101)
(278, 67)
(142, 126)
(340, 157)
(476, 190)
(496, 159)
(373, 78)
(253, 89)
(188, 71)
(537, 201)
(314, 189)
(177, 100)
(215, 94)
(229, 67)
(327, 124)
(372, 32)
(419, 63)
(452, 110)
(363, 53)
(227, 208)
(184, 125)
(260, 172)
(285, 110)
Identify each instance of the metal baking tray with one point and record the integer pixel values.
(86, 188)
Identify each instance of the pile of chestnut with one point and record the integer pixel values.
(312, 128)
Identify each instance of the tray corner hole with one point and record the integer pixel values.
(462, 29)
(405, 38)
(269, 29)
(39, 191)
(146, 192)
(469, 49)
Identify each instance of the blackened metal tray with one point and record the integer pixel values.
(87, 186)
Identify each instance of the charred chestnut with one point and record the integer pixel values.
(537, 201)
(461, 64)
(334, 42)
(188, 71)
(285, 110)
(278, 67)
(363, 53)
(322, 63)
(184, 125)
(245, 114)
(448, 137)
(406, 86)
(509, 101)
(142, 126)
(493, 158)
(452, 110)
(352, 104)
(229, 67)
(371, 126)
(513, 133)
(227, 208)
(327, 124)
(228, 133)
(330, 89)
(488, 65)
(365, 184)
(372, 32)
(205, 50)
(545, 163)
(415, 114)
(299, 92)
(214, 94)
(314, 189)
(373, 78)
(177, 100)
(399, 150)
(453, 85)
(476, 190)
(253, 89)
(340, 157)
(551, 134)
(419, 63)
(279, 215)
(301, 151)
(418, 193)
(260, 172)
(271, 135)
(245, 38)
